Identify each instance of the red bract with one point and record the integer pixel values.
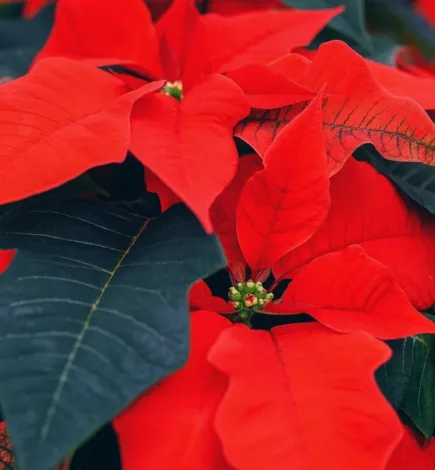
(357, 110)
(287, 418)
(412, 453)
(171, 136)
(52, 118)
(282, 206)
(396, 81)
(295, 393)
(367, 210)
(165, 138)
(172, 426)
(352, 292)
(427, 9)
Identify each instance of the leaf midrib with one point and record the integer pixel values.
(381, 131)
(45, 428)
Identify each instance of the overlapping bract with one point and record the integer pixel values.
(367, 210)
(359, 255)
(186, 46)
(347, 291)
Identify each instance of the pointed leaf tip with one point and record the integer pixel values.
(270, 218)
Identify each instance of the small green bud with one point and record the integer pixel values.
(234, 295)
(250, 287)
(174, 89)
(245, 315)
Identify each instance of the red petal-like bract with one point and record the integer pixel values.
(357, 110)
(396, 81)
(367, 210)
(267, 89)
(303, 397)
(189, 144)
(6, 257)
(411, 454)
(225, 43)
(54, 125)
(171, 426)
(283, 205)
(350, 291)
(201, 298)
(176, 31)
(223, 211)
(426, 8)
(105, 30)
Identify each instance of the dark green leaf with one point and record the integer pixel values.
(384, 49)
(93, 311)
(18, 32)
(394, 376)
(400, 20)
(20, 40)
(416, 180)
(419, 401)
(350, 22)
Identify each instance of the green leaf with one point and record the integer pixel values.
(416, 180)
(350, 22)
(400, 20)
(20, 40)
(394, 376)
(419, 401)
(93, 311)
(384, 49)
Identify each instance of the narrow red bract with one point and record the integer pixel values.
(283, 205)
(223, 211)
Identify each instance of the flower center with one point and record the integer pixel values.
(174, 89)
(249, 298)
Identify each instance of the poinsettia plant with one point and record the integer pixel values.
(217, 238)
